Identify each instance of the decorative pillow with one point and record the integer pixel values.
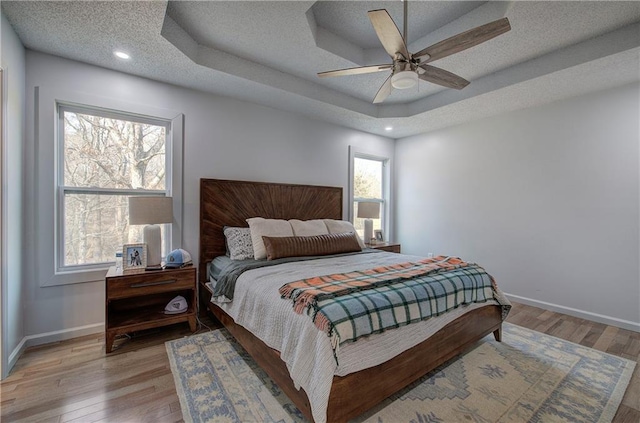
(317, 245)
(266, 227)
(308, 227)
(342, 226)
(239, 243)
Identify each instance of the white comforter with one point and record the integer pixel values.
(257, 306)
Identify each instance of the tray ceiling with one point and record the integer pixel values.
(269, 52)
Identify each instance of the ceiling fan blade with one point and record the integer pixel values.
(464, 40)
(384, 91)
(355, 71)
(388, 33)
(442, 77)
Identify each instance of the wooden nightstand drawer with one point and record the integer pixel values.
(149, 283)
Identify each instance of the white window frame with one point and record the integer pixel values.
(386, 210)
(47, 239)
(62, 189)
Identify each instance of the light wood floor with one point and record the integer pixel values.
(73, 381)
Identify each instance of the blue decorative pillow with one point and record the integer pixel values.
(239, 243)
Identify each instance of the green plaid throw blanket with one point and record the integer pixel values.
(351, 305)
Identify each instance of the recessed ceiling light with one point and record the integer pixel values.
(122, 55)
(388, 128)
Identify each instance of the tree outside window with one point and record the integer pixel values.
(105, 158)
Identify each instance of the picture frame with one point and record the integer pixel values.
(134, 256)
(378, 235)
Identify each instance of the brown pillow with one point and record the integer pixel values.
(317, 245)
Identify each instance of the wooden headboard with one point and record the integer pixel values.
(230, 203)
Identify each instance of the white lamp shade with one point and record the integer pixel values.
(151, 211)
(368, 210)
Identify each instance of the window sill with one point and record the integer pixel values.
(75, 276)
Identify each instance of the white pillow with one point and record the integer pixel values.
(342, 226)
(308, 227)
(266, 227)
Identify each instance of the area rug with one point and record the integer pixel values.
(529, 377)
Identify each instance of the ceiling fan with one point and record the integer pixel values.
(408, 68)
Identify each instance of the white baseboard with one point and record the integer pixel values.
(48, 337)
(14, 356)
(608, 320)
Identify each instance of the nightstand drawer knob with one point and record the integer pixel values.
(142, 285)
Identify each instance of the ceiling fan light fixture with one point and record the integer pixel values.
(404, 79)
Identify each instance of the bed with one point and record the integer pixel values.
(230, 203)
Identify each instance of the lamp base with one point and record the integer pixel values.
(368, 231)
(152, 236)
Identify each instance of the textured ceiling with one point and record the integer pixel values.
(269, 52)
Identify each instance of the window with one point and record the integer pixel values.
(368, 185)
(105, 157)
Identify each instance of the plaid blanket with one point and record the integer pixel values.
(350, 305)
(307, 292)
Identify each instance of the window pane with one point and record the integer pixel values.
(112, 153)
(367, 178)
(96, 226)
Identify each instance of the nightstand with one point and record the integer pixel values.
(391, 247)
(136, 301)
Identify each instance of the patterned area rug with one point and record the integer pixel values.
(529, 377)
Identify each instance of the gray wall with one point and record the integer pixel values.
(224, 138)
(13, 64)
(547, 199)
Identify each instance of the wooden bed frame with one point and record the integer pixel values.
(230, 203)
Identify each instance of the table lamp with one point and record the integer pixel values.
(151, 211)
(368, 210)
